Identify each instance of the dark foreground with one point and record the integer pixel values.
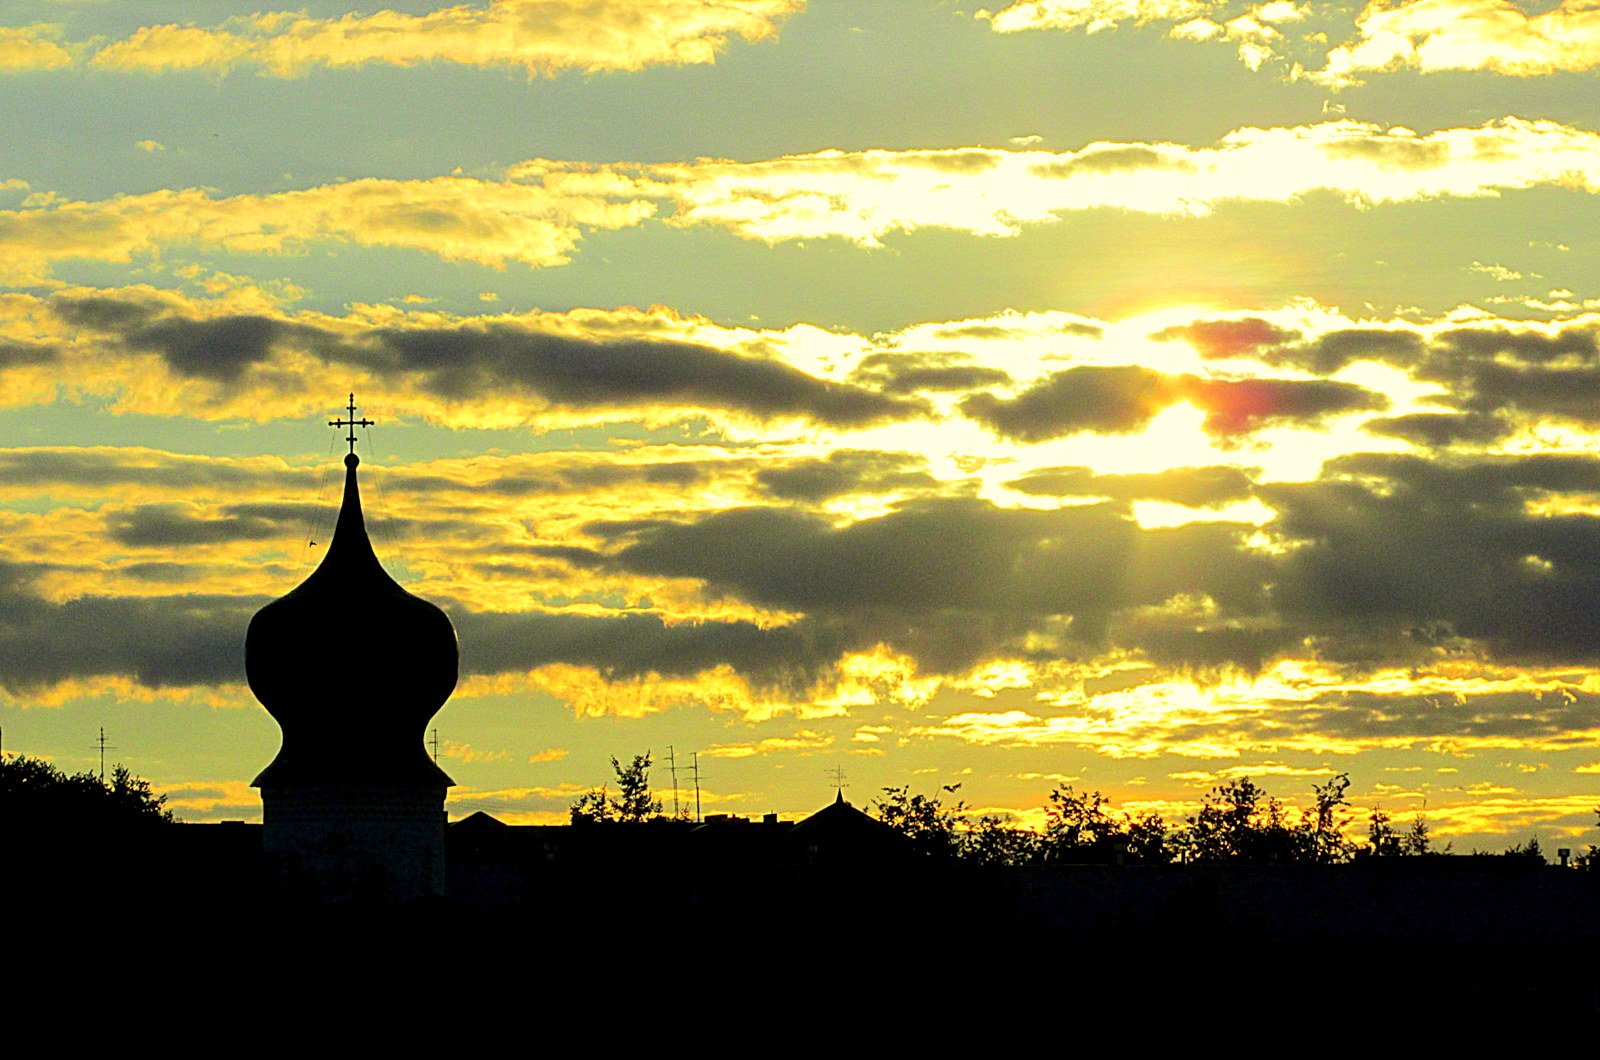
(148, 933)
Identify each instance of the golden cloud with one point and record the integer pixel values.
(32, 48)
(540, 36)
(538, 214)
(1491, 35)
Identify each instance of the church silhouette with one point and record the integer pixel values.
(352, 667)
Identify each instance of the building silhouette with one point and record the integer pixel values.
(352, 667)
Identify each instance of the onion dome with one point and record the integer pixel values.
(352, 667)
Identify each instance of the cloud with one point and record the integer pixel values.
(157, 641)
(862, 196)
(1092, 15)
(1107, 400)
(624, 646)
(804, 740)
(1397, 555)
(538, 214)
(1438, 430)
(1195, 487)
(466, 361)
(1241, 337)
(844, 471)
(35, 47)
(457, 218)
(1491, 35)
(262, 359)
(953, 582)
(539, 36)
(112, 469)
(1124, 399)
(910, 373)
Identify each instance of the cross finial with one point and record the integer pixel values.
(837, 773)
(352, 423)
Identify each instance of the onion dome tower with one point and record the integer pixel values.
(352, 667)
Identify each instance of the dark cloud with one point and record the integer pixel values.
(1333, 350)
(158, 641)
(580, 373)
(1229, 338)
(472, 361)
(17, 354)
(164, 572)
(1106, 400)
(842, 472)
(1197, 487)
(1124, 399)
(99, 468)
(1527, 347)
(570, 479)
(951, 582)
(1099, 160)
(909, 373)
(167, 525)
(1561, 717)
(177, 525)
(633, 645)
(1439, 430)
(1002, 331)
(1401, 555)
(677, 473)
(221, 349)
(99, 313)
(1391, 152)
(1238, 406)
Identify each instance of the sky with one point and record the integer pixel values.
(1131, 394)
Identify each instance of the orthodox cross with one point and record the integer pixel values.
(837, 773)
(352, 423)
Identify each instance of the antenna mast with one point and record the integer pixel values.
(694, 771)
(672, 764)
(103, 748)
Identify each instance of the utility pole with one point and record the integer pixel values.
(433, 741)
(672, 764)
(694, 769)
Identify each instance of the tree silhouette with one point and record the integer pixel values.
(633, 803)
(35, 794)
(1530, 851)
(592, 807)
(1417, 841)
(1591, 861)
(1078, 828)
(923, 819)
(1148, 839)
(1322, 825)
(1382, 840)
(991, 841)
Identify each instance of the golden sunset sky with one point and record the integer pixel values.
(1135, 394)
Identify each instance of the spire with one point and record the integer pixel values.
(350, 664)
(350, 545)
